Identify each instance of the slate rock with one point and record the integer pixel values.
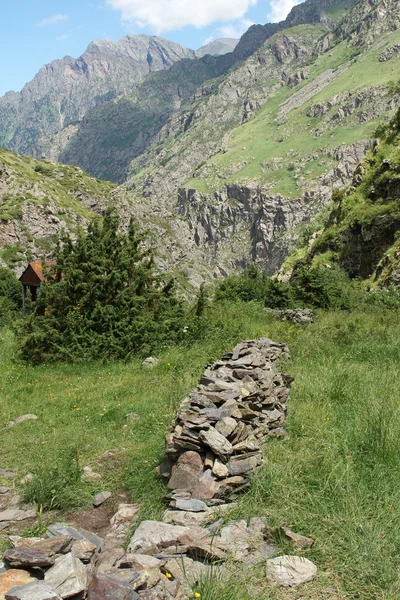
(219, 469)
(207, 486)
(105, 587)
(67, 576)
(132, 416)
(185, 519)
(217, 442)
(63, 529)
(39, 590)
(15, 514)
(4, 489)
(26, 557)
(55, 545)
(88, 473)
(153, 533)
(83, 549)
(238, 467)
(185, 474)
(290, 571)
(12, 578)
(192, 505)
(20, 419)
(100, 498)
(150, 362)
(301, 542)
(7, 474)
(226, 426)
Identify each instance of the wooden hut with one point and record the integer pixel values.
(32, 278)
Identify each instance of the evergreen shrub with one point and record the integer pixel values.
(10, 296)
(102, 300)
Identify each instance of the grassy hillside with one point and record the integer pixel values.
(39, 198)
(279, 149)
(335, 476)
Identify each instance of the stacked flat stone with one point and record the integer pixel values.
(216, 441)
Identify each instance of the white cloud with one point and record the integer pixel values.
(53, 20)
(234, 30)
(165, 15)
(280, 9)
(62, 37)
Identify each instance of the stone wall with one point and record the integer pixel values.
(216, 440)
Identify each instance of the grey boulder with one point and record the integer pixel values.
(39, 590)
(290, 571)
(67, 576)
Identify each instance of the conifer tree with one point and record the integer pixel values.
(102, 299)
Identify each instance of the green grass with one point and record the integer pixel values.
(335, 476)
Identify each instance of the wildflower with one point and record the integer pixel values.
(196, 595)
(169, 364)
(168, 575)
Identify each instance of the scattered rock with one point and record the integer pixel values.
(189, 505)
(301, 542)
(67, 576)
(39, 590)
(15, 514)
(132, 416)
(28, 477)
(290, 571)
(298, 316)
(83, 550)
(7, 474)
(151, 534)
(49, 546)
(107, 587)
(20, 420)
(100, 498)
(63, 529)
(4, 490)
(150, 362)
(12, 578)
(88, 473)
(26, 557)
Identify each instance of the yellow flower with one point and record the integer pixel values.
(168, 575)
(197, 595)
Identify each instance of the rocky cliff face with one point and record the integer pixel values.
(64, 90)
(361, 233)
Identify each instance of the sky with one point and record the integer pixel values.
(35, 32)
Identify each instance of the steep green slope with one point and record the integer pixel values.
(38, 199)
(362, 231)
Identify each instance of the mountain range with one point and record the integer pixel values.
(226, 154)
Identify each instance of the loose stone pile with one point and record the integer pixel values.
(217, 438)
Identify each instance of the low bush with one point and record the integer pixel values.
(319, 287)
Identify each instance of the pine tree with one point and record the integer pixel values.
(102, 299)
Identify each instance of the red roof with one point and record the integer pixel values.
(33, 273)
